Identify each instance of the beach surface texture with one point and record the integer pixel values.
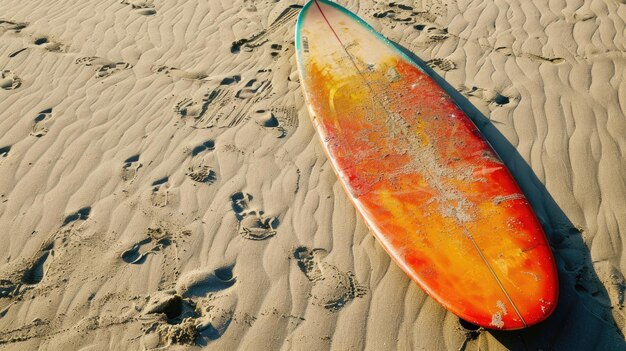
(162, 186)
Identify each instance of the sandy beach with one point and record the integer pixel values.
(162, 186)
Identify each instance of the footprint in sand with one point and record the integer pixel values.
(80, 215)
(201, 283)
(252, 88)
(37, 270)
(145, 8)
(276, 50)
(31, 274)
(432, 32)
(12, 26)
(253, 224)
(40, 128)
(4, 151)
(228, 104)
(441, 64)
(166, 302)
(181, 333)
(436, 34)
(130, 168)
(160, 192)
(183, 321)
(283, 120)
(175, 320)
(187, 107)
(174, 72)
(199, 170)
(157, 239)
(266, 119)
(9, 81)
(194, 312)
(103, 67)
(332, 288)
(257, 39)
(7, 288)
(215, 321)
(217, 315)
(48, 44)
(219, 96)
(208, 145)
(488, 96)
(400, 14)
(201, 173)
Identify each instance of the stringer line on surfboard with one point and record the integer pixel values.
(468, 234)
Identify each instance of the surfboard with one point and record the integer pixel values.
(429, 186)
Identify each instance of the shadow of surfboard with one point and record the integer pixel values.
(584, 306)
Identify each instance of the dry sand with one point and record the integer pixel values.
(162, 187)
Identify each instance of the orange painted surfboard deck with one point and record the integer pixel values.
(430, 187)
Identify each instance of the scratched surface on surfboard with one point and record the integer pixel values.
(427, 183)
